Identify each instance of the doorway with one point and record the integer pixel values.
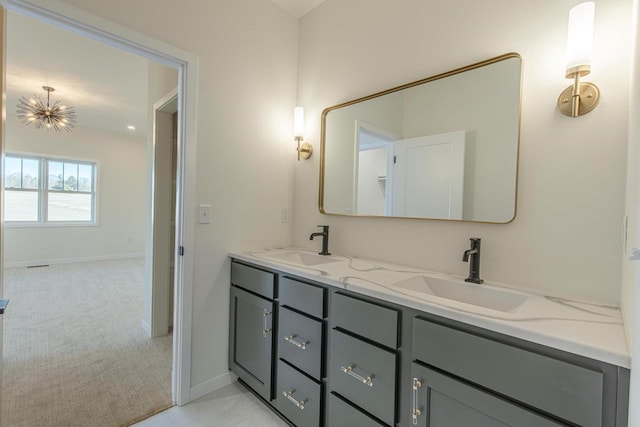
(76, 214)
(84, 25)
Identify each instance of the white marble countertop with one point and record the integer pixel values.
(591, 330)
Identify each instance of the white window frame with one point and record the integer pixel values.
(43, 192)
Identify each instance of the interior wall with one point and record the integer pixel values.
(158, 240)
(566, 237)
(247, 54)
(121, 197)
(630, 298)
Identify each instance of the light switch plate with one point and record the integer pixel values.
(204, 214)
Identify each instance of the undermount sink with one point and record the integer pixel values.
(302, 258)
(479, 295)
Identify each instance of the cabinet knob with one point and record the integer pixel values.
(291, 339)
(368, 380)
(289, 395)
(265, 326)
(416, 384)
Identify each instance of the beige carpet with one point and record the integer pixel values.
(74, 350)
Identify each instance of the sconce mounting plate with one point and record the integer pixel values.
(305, 150)
(589, 98)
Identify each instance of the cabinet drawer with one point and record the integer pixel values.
(369, 320)
(302, 296)
(300, 341)
(565, 390)
(253, 279)
(343, 414)
(298, 397)
(352, 362)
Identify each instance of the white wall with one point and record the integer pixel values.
(372, 164)
(630, 297)
(566, 236)
(121, 197)
(158, 243)
(245, 149)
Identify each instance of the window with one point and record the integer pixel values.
(41, 190)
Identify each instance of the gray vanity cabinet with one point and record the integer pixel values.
(344, 414)
(509, 379)
(300, 352)
(329, 357)
(442, 401)
(251, 327)
(363, 361)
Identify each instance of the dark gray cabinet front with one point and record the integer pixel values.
(442, 401)
(347, 360)
(252, 340)
(344, 414)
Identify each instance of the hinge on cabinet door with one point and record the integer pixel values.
(181, 251)
(395, 158)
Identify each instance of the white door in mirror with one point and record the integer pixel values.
(635, 254)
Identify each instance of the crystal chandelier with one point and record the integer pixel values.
(56, 116)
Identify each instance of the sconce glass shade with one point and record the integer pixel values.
(580, 39)
(298, 122)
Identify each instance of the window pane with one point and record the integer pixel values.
(69, 207)
(30, 173)
(71, 177)
(85, 178)
(20, 205)
(12, 172)
(55, 175)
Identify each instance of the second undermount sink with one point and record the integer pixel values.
(479, 295)
(302, 258)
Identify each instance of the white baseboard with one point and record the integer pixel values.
(72, 260)
(212, 385)
(146, 327)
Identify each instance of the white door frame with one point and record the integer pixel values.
(80, 22)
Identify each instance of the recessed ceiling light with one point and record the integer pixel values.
(131, 127)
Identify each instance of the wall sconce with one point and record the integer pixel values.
(580, 98)
(304, 148)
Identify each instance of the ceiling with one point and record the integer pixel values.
(106, 86)
(298, 7)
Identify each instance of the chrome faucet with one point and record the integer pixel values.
(474, 263)
(325, 239)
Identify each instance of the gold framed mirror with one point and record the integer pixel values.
(444, 147)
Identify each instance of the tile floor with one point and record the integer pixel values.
(231, 406)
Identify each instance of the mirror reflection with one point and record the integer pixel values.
(445, 147)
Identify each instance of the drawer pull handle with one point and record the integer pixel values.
(415, 410)
(365, 380)
(291, 339)
(265, 327)
(290, 398)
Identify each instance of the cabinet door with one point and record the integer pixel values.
(441, 401)
(252, 340)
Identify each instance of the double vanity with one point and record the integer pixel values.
(339, 341)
